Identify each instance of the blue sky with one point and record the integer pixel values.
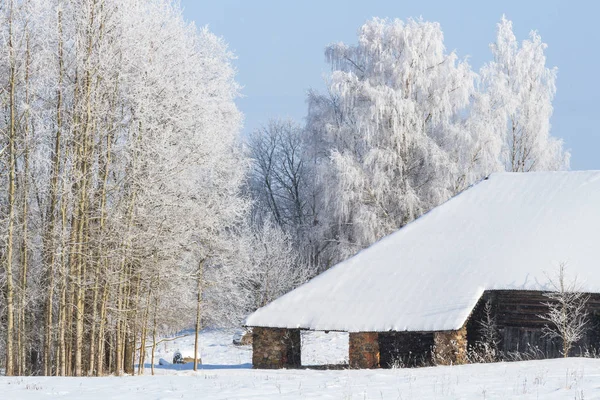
(279, 47)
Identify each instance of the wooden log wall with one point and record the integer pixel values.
(520, 326)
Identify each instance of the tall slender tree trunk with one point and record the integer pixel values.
(61, 367)
(144, 333)
(71, 277)
(126, 362)
(102, 329)
(118, 325)
(9, 293)
(24, 270)
(200, 279)
(154, 325)
(123, 276)
(85, 156)
(101, 256)
(135, 322)
(49, 250)
(21, 338)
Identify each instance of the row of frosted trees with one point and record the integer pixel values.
(402, 126)
(120, 171)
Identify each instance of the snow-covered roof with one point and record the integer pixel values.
(510, 231)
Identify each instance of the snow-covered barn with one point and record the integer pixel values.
(424, 286)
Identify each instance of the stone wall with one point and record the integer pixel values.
(275, 348)
(450, 347)
(364, 350)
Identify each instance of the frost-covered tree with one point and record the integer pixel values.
(567, 310)
(486, 348)
(284, 184)
(122, 171)
(520, 88)
(264, 264)
(279, 173)
(394, 122)
(404, 125)
(191, 167)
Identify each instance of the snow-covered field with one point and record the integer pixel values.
(218, 351)
(226, 374)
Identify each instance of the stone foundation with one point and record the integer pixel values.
(364, 350)
(450, 347)
(275, 348)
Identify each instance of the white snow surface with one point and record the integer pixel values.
(573, 378)
(216, 348)
(320, 348)
(510, 231)
(226, 374)
(223, 377)
(217, 351)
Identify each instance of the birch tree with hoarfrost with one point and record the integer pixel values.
(263, 264)
(394, 121)
(520, 89)
(121, 170)
(567, 310)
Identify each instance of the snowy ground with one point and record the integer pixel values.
(217, 350)
(226, 375)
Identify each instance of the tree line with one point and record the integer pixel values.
(130, 205)
(402, 126)
(121, 172)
